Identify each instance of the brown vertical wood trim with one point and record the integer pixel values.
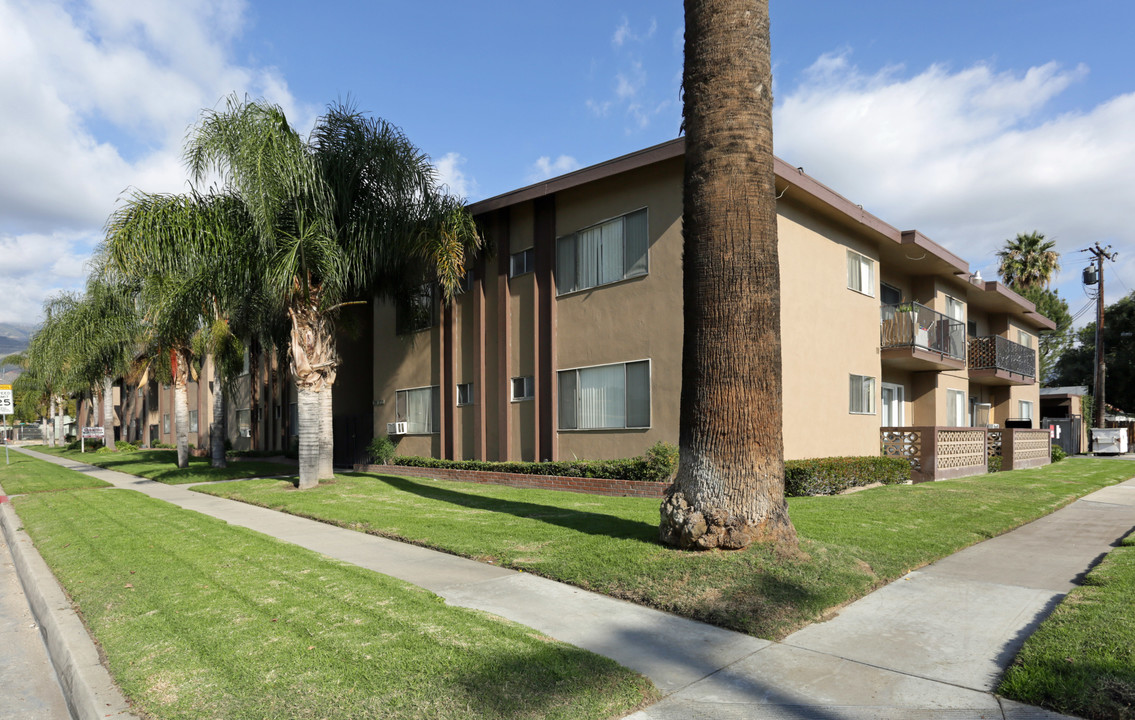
(448, 404)
(479, 374)
(544, 334)
(504, 337)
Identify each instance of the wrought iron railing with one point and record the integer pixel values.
(997, 353)
(916, 326)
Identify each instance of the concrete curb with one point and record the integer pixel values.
(87, 686)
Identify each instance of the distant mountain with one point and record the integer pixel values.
(14, 337)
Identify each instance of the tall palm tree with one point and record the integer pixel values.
(191, 258)
(335, 217)
(1028, 261)
(729, 490)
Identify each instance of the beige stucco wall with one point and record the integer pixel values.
(828, 333)
(402, 362)
(635, 319)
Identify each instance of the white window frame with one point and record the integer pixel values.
(244, 422)
(900, 399)
(468, 392)
(1025, 409)
(856, 281)
(626, 413)
(522, 262)
(627, 274)
(402, 409)
(193, 421)
(527, 388)
(856, 387)
(959, 419)
(1026, 339)
(166, 427)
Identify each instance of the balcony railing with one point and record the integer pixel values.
(997, 353)
(916, 326)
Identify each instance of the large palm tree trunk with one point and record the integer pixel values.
(181, 406)
(50, 438)
(729, 490)
(107, 413)
(327, 429)
(313, 359)
(217, 426)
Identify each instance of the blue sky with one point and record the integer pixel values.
(970, 121)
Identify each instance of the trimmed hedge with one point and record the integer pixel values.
(656, 465)
(831, 476)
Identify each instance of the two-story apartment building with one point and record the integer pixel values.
(568, 340)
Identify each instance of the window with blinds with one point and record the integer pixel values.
(862, 395)
(605, 397)
(602, 254)
(419, 408)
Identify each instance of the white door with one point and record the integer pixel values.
(891, 415)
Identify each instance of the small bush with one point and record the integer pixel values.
(162, 446)
(656, 465)
(994, 464)
(1058, 453)
(90, 446)
(123, 446)
(831, 476)
(381, 450)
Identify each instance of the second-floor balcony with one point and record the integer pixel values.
(994, 360)
(914, 337)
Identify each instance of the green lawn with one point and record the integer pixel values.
(1082, 659)
(27, 475)
(161, 465)
(200, 619)
(850, 544)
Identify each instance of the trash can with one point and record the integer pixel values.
(1109, 441)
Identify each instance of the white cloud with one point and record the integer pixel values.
(625, 33)
(545, 167)
(970, 157)
(98, 96)
(450, 174)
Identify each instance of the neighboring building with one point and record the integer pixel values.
(1062, 412)
(568, 341)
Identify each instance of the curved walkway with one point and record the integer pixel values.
(929, 645)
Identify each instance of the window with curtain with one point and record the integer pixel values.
(1026, 409)
(604, 397)
(862, 395)
(602, 254)
(165, 423)
(244, 422)
(1023, 338)
(522, 262)
(420, 409)
(193, 421)
(955, 408)
(860, 273)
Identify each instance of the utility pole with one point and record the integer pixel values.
(1098, 390)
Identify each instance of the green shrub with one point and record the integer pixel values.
(90, 446)
(994, 464)
(162, 446)
(831, 476)
(1058, 453)
(381, 450)
(656, 465)
(123, 446)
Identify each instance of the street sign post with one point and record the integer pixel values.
(7, 406)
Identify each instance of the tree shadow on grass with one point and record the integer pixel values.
(583, 521)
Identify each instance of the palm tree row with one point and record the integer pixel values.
(276, 235)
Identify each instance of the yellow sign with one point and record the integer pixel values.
(5, 387)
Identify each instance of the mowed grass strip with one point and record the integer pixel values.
(850, 544)
(161, 465)
(200, 619)
(1082, 659)
(24, 474)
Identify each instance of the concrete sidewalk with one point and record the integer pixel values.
(930, 645)
(28, 682)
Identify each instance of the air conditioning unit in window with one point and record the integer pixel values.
(397, 428)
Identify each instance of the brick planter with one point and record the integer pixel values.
(591, 486)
